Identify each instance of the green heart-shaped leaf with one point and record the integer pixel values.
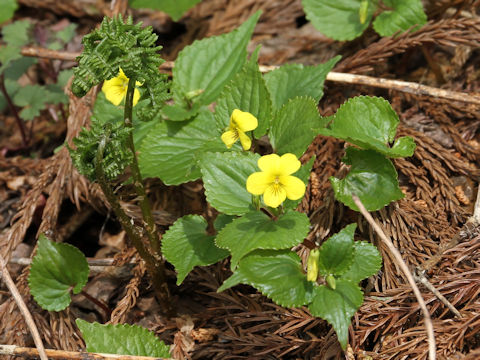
(337, 306)
(56, 270)
(372, 178)
(370, 123)
(336, 254)
(256, 230)
(186, 245)
(277, 274)
(224, 178)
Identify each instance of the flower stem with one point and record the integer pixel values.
(155, 268)
(106, 311)
(137, 177)
(20, 123)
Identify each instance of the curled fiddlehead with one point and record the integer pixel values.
(117, 155)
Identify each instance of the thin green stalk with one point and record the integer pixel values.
(20, 123)
(155, 268)
(137, 177)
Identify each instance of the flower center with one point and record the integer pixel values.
(276, 181)
(235, 133)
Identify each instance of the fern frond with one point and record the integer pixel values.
(120, 44)
(117, 155)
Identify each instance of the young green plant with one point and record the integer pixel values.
(348, 19)
(124, 56)
(247, 155)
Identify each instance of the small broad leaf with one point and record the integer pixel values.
(56, 269)
(224, 178)
(256, 230)
(33, 99)
(292, 127)
(17, 33)
(276, 274)
(372, 178)
(340, 19)
(336, 254)
(337, 306)
(405, 14)
(366, 262)
(207, 65)
(247, 92)
(19, 67)
(186, 245)
(122, 339)
(370, 123)
(67, 33)
(292, 80)
(8, 9)
(8, 54)
(171, 150)
(304, 175)
(174, 8)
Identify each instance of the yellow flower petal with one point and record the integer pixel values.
(243, 120)
(245, 140)
(274, 195)
(294, 187)
(289, 164)
(258, 182)
(122, 75)
(229, 137)
(114, 90)
(270, 164)
(136, 96)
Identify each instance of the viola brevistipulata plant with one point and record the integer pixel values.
(246, 153)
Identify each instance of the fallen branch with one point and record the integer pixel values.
(96, 266)
(397, 85)
(398, 257)
(26, 352)
(23, 309)
(403, 86)
(420, 277)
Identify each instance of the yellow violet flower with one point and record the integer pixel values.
(275, 181)
(240, 122)
(115, 89)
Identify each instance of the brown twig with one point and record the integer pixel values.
(26, 352)
(398, 85)
(398, 257)
(421, 278)
(23, 309)
(49, 54)
(403, 86)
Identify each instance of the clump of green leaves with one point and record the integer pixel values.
(32, 99)
(187, 145)
(348, 19)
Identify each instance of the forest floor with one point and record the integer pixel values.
(40, 192)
